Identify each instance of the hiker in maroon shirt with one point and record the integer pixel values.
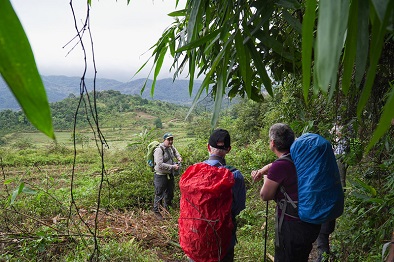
(294, 238)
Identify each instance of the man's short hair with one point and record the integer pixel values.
(218, 151)
(282, 135)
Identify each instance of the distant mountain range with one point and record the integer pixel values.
(60, 87)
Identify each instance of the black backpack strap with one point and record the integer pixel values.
(154, 162)
(231, 168)
(285, 157)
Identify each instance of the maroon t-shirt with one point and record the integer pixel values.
(284, 173)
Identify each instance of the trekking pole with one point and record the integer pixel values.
(266, 231)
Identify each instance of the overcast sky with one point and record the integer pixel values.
(122, 35)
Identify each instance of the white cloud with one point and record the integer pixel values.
(121, 34)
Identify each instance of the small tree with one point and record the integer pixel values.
(158, 123)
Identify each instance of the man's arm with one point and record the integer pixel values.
(268, 191)
(177, 155)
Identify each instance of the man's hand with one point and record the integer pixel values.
(258, 174)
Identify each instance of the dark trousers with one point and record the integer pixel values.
(323, 243)
(164, 191)
(295, 241)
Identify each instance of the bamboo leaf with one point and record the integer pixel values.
(307, 45)
(350, 48)
(244, 64)
(380, 7)
(265, 14)
(292, 4)
(218, 98)
(377, 38)
(193, 20)
(178, 13)
(146, 80)
(276, 46)
(192, 69)
(292, 21)
(28, 190)
(205, 83)
(221, 86)
(364, 186)
(385, 120)
(362, 41)
(13, 196)
(163, 43)
(159, 64)
(171, 43)
(329, 40)
(260, 67)
(200, 41)
(19, 70)
(16, 192)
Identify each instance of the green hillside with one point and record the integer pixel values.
(128, 115)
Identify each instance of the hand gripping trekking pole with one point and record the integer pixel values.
(266, 231)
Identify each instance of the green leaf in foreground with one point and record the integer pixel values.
(19, 70)
(16, 192)
(21, 189)
(385, 120)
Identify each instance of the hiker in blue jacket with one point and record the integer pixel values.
(219, 145)
(165, 166)
(294, 238)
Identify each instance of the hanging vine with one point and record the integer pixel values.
(89, 106)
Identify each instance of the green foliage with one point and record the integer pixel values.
(44, 246)
(80, 139)
(158, 123)
(130, 189)
(368, 217)
(57, 148)
(23, 144)
(287, 39)
(248, 118)
(126, 251)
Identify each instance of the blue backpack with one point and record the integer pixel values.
(320, 193)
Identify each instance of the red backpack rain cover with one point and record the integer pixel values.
(205, 223)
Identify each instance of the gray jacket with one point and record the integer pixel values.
(164, 159)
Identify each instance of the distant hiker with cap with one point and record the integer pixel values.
(165, 167)
(212, 195)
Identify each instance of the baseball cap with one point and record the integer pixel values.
(167, 135)
(220, 139)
